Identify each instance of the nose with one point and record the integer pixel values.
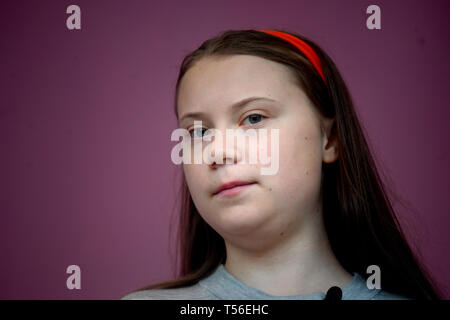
(224, 150)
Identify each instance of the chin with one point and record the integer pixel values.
(237, 221)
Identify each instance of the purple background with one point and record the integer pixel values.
(86, 117)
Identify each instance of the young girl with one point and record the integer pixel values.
(323, 220)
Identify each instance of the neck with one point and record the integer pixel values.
(303, 262)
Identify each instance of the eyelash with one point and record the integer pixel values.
(253, 114)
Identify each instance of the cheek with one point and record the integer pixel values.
(197, 182)
(300, 164)
(194, 179)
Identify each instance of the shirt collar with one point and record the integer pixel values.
(226, 287)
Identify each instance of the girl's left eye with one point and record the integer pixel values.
(254, 117)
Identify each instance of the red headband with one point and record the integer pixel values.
(302, 46)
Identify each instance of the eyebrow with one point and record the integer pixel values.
(234, 107)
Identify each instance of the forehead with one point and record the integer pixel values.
(223, 80)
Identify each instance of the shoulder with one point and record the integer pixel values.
(387, 295)
(193, 292)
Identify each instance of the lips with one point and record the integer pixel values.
(232, 184)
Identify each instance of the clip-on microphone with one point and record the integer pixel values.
(334, 294)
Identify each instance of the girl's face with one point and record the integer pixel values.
(277, 206)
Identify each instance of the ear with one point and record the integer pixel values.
(330, 150)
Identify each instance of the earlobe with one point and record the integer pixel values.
(330, 145)
(330, 154)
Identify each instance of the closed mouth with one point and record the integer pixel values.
(232, 185)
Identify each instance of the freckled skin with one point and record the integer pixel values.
(278, 205)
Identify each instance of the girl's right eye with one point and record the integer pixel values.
(198, 133)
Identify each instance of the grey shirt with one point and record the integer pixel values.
(221, 285)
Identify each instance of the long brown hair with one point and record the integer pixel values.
(359, 219)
